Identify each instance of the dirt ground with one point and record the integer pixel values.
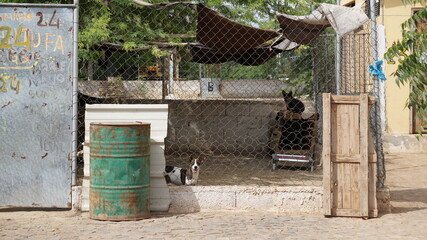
(223, 170)
(406, 178)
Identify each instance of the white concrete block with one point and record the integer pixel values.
(187, 199)
(76, 198)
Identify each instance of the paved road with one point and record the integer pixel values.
(71, 225)
(406, 178)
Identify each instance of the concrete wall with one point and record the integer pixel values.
(293, 200)
(207, 126)
(409, 143)
(245, 198)
(189, 89)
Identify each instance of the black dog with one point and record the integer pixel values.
(292, 104)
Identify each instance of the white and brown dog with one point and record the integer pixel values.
(184, 176)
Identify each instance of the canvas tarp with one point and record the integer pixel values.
(304, 29)
(252, 57)
(227, 36)
(220, 39)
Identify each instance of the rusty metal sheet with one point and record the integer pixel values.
(36, 111)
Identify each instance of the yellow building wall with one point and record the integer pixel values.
(393, 13)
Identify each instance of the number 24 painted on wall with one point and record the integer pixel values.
(26, 43)
(4, 43)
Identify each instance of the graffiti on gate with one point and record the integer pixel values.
(33, 42)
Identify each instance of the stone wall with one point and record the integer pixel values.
(221, 126)
(189, 89)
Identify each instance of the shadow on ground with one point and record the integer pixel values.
(407, 200)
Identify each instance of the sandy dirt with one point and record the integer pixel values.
(406, 178)
(223, 170)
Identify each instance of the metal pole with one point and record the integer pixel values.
(171, 83)
(377, 116)
(374, 32)
(75, 92)
(338, 60)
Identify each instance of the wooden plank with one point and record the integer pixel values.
(355, 191)
(345, 158)
(372, 151)
(345, 212)
(346, 99)
(340, 183)
(354, 158)
(334, 135)
(334, 185)
(353, 126)
(373, 208)
(342, 129)
(326, 154)
(363, 168)
(347, 185)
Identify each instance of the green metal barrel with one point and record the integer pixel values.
(119, 171)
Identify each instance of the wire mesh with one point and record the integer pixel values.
(240, 92)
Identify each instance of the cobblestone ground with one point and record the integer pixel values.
(406, 179)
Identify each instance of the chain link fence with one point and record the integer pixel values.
(243, 83)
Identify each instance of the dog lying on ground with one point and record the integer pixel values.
(184, 176)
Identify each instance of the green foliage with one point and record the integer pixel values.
(40, 1)
(300, 72)
(129, 25)
(411, 54)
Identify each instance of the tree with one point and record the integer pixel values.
(411, 53)
(123, 23)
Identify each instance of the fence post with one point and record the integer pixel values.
(75, 90)
(338, 60)
(376, 114)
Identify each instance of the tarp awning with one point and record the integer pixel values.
(304, 29)
(220, 39)
(251, 57)
(228, 36)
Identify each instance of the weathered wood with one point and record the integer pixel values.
(349, 157)
(345, 212)
(355, 158)
(346, 99)
(363, 169)
(346, 186)
(354, 188)
(326, 154)
(334, 186)
(373, 207)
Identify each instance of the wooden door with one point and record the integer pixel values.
(349, 173)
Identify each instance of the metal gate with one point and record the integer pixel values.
(36, 104)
